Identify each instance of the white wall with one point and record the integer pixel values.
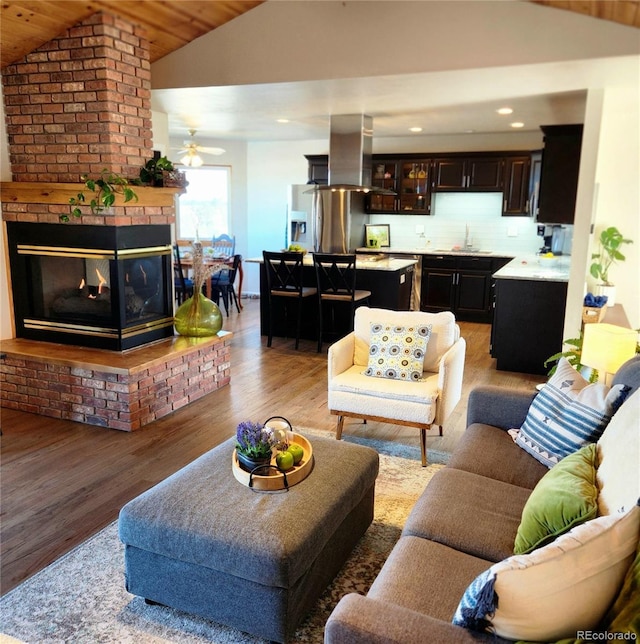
(618, 195)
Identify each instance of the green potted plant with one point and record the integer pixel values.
(610, 242)
(152, 172)
(104, 189)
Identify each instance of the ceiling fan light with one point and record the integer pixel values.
(191, 159)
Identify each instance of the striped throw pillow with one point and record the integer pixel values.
(567, 414)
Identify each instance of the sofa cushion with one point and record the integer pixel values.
(561, 588)
(471, 513)
(444, 332)
(415, 567)
(624, 615)
(566, 414)
(491, 452)
(565, 497)
(397, 352)
(618, 474)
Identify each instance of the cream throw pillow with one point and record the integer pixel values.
(556, 590)
(618, 475)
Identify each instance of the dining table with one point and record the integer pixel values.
(217, 263)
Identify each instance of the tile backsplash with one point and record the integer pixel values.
(453, 212)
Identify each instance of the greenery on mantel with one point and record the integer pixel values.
(104, 190)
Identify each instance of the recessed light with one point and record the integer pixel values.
(505, 110)
(415, 129)
(282, 120)
(517, 124)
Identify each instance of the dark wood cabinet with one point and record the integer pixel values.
(559, 173)
(384, 175)
(459, 174)
(516, 186)
(528, 322)
(461, 284)
(413, 178)
(318, 169)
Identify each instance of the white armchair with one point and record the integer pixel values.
(420, 404)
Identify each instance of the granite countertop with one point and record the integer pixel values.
(534, 267)
(393, 250)
(376, 263)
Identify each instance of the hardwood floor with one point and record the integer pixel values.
(63, 481)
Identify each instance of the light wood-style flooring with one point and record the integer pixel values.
(63, 481)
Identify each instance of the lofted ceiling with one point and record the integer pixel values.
(250, 112)
(25, 25)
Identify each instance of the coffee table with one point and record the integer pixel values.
(202, 542)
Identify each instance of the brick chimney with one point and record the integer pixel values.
(80, 103)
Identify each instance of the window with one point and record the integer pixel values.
(203, 211)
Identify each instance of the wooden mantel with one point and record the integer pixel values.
(60, 193)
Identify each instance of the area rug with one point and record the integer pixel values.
(81, 597)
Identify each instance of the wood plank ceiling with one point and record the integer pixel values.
(25, 25)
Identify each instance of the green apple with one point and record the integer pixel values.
(284, 461)
(297, 452)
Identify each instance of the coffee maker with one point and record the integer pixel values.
(553, 237)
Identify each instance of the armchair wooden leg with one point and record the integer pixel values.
(423, 446)
(339, 427)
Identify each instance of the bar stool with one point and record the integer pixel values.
(284, 280)
(336, 282)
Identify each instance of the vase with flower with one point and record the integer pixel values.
(198, 316)
(254, 445)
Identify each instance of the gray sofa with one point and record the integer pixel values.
(466, 520)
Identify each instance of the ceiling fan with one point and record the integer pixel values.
(191, 151)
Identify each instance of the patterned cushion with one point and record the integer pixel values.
(561, 588)
(566, 496)
(567, 414)
(397, 352)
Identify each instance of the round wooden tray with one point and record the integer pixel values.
(275, 479)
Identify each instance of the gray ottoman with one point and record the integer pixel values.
(204, 543)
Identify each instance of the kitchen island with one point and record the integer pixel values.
(528, 321)
(389, 280)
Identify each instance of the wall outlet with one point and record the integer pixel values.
(512, 231)
(419, 229)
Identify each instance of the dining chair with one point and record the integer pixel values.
(284, 274)
(183, 285)
(224, 246)
(336, 284)
(222, 285)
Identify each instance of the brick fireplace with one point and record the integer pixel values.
(77, 105)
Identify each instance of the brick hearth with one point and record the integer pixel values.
(117, 390)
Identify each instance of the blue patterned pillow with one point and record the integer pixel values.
(567, 414)
(397, 352)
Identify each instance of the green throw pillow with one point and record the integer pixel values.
(564, 497)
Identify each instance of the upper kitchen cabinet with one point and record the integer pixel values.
(408, 178)
(516, 186)
(474, 174)
(318, 169)
(384, 175)
(414, 193)
(559, 173)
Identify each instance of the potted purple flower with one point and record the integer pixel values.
(254, 443)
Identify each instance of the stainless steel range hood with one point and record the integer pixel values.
(350, 154)
(339, 207)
